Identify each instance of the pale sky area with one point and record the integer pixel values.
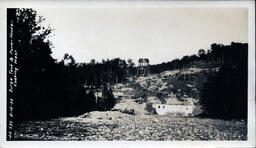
(160, 34)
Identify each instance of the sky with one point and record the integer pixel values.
(159, 34)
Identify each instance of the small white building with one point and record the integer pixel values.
(162, 109)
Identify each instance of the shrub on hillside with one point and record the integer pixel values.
(150, 108)
(107, 101)
(128, 111)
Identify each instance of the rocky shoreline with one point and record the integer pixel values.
(111, 125)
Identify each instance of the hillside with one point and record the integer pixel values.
(169, 87)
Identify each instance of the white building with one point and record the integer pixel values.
(162, 109)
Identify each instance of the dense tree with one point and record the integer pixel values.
(35, 65)
(130, 67)
(107, 101)
(46, 88)
(202, 54)
(68, 59)
(224, 95)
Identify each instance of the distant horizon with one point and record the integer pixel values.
(136, 62)
(159, 34)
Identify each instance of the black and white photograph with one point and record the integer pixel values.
(129, 73)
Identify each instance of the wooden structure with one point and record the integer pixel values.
(143, 67)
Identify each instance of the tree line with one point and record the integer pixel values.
(48, 88)
(216, 56)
